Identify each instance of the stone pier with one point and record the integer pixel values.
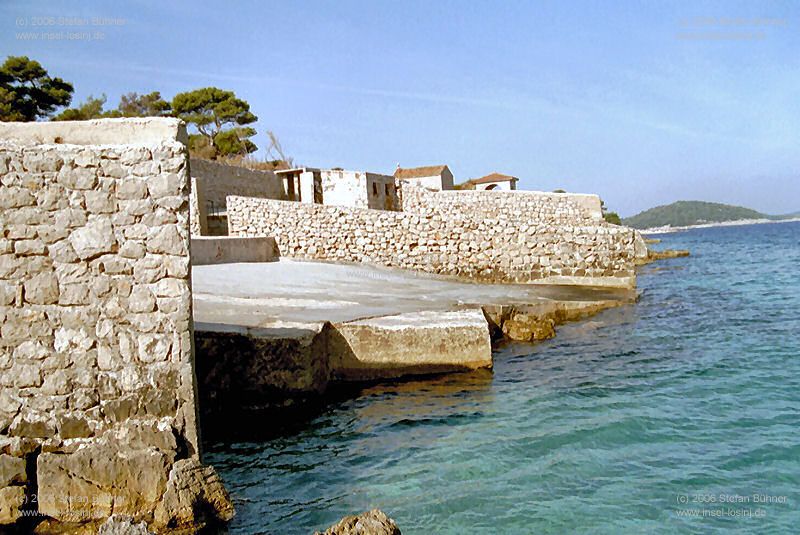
(98, 403)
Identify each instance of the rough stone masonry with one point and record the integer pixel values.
(508, 237)
(97, 387)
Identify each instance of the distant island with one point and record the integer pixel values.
(691, 213)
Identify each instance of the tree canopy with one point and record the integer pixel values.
(28, 92)
(149, 105)
(219, 117)
(92, 108)
(130, 105)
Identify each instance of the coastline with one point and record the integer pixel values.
(738, 223)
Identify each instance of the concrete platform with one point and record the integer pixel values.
(270, 332)
(409, 344)
(261, 295)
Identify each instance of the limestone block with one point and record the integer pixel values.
(166, 240)
(14, 197)
(68, 340)
(8, 293)
(141, 299)
(63, 252)
(165, 185)
(73, 426)
(93, 239)
(79, 178)
(42, 289)
(106, 478)
(99, 202)
(154, 348)
(131, 189)
(12, 470)
(74, 294)
(32, 425)
(11, 499)
(131, 249)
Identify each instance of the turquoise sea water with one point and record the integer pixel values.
(692, 395)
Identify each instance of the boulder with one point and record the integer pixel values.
(373, 522)
(194, 496)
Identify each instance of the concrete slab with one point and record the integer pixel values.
(229, 250)
(263, 294)
(409, 344)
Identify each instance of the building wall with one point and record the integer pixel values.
(357, 189)
(509, 205)
(214, 181)
(443, 182)
(97, 386)
(555, 246)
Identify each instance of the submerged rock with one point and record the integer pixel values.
(373, 522)
(653, 255)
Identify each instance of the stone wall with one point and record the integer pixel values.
(212, 182)
(518, 205)
(553, 247)
(97, 389)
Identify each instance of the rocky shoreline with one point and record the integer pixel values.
(737, 223)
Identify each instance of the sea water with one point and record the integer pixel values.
(679, 414)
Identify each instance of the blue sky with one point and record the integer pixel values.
(644, 103)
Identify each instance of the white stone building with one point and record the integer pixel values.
(436, 177)
(495, 181)
(337, 187)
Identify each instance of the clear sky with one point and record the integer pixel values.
(644, 103)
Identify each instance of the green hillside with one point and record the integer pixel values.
(685, 213)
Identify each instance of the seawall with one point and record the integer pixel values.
(554, 242)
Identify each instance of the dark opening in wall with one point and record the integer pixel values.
(374, 189)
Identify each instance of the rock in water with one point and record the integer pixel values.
(194, 496)
(373, 522)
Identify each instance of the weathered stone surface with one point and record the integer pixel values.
(373, 522)
(97, 379)
(96, 238)
(141, 300)
(11, 499)
(414, 343)
(12, 471)
(194, 496)
(123, 525)
(42, 289)
(242, 368)
(108, 475)
(32, 426)
(524, 237)
(73, 426)
(166, 240)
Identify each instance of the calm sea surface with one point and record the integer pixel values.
(646, 419)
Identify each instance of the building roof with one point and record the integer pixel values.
(494, 177)
(417, 172)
